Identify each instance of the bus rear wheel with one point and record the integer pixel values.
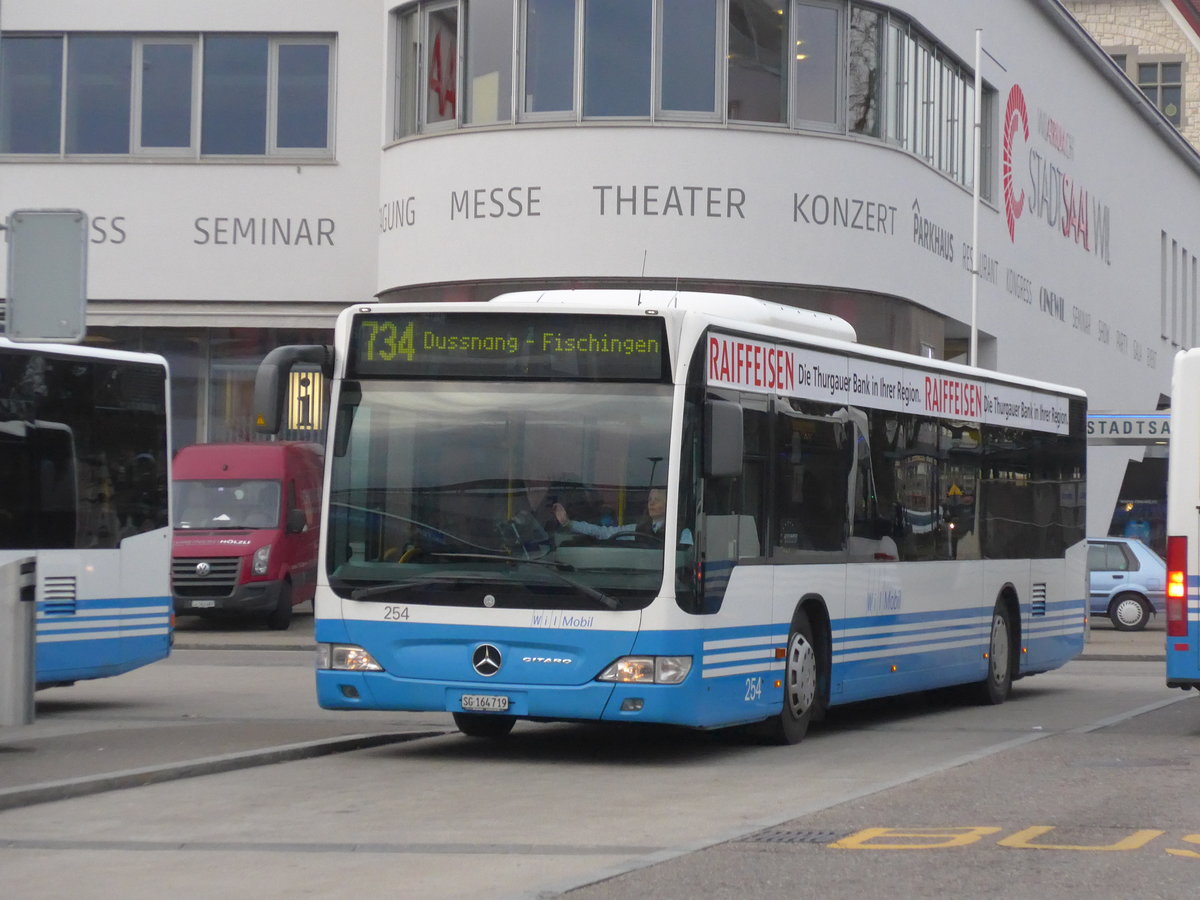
(480, 725)
(800, 686)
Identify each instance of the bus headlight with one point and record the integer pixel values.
(262, 558)
(648, 670)
(346, 658)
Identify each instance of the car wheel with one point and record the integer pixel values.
(1129, 612)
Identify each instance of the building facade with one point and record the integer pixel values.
(250, 168)
(1157, 45)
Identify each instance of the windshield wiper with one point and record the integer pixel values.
(374, 590)
(503, 557)
(554, 567)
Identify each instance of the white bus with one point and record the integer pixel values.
(1183, 525)
(85, 467)
(696, 509)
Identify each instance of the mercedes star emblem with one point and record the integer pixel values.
(486, 660)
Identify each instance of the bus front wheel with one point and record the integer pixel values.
(800, 685)
(480, 725)
(996, 687)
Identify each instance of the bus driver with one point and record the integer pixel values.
(651, 524)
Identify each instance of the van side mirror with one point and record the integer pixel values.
(722, 439)
(296, 521)
(271, 380)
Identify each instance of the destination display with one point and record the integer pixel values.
(508, 345)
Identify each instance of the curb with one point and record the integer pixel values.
(69, 788)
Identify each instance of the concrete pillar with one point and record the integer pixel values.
(18, 615)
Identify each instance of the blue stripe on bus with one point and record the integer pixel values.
(78, 644)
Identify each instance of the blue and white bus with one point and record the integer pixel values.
(840, 522)
(1183, 525)
(85, 474)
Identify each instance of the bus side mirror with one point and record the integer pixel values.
(722, 439)
(271, 381)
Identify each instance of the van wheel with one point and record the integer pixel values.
(281, 617)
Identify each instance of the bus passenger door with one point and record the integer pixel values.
(738, 653)
(734, 518)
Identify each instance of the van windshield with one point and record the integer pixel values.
(232, 503)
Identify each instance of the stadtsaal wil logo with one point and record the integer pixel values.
(1015, 116)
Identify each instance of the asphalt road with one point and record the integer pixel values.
(914, 797)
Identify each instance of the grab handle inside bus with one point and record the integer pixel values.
(271, 380)
(722, 439)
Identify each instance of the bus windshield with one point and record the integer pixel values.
(530, 495)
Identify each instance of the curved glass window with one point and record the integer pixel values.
(688, 82)
(836, 66)
(549, 56)
(616, 57)
(489, 64)
(818, 64)
(758, 34)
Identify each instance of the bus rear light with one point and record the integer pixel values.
(1177, 625)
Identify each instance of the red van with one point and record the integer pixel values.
(246, 529)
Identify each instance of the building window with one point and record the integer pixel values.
(235, 96)
(490, 64)
(549, 69)
(1162, 83)
(616, 57)
(818, 64)
(99, 81)
(441, 78)
(758, 61)
(1160, 78)
(688, 69)
(167, 76)
(30, 94)
(864, 94)
(150, 96)
(813, 65)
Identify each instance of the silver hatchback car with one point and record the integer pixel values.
(1127, 580)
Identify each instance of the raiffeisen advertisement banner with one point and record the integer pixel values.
(791, 371)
